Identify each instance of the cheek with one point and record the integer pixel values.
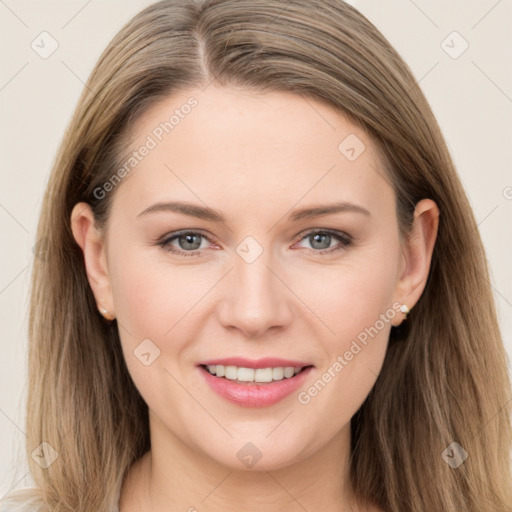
(154, 303)
(151, 295)
(355, 305)
(351, 296)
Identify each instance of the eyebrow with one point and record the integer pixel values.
(319, 211)
(209, 214)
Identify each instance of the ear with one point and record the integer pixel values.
(92, 243)
(417, 249)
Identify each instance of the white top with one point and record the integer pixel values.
(26, 500)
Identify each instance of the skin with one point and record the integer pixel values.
(254, 158)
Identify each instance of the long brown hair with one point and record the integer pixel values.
(444, 378)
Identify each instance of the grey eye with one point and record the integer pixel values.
(320, 240)
(190, 241)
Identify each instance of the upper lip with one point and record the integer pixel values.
(266, 362)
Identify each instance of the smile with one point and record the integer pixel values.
(243, 375)
(240, 385)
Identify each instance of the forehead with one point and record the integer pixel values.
(253, 147)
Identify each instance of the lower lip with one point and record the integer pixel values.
(255, 395)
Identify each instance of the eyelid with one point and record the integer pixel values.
(170, 237)
(328, 231)
(344, 240)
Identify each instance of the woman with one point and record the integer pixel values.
(264, 288)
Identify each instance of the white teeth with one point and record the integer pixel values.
(289, 371)
(251, 375)
(263, 375)
(278, 373)
(246, 374)
(231, 372)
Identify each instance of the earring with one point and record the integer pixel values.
(105, 314)
(405, 310)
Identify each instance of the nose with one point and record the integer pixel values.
(255, 297)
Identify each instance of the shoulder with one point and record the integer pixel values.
(24, 500)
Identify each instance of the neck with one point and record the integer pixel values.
(173, 474)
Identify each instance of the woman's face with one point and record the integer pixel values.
(306, 266)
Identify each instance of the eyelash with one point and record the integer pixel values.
(344, 239)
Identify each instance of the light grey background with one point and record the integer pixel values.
(471, 96)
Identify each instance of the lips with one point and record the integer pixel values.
(254, 394)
